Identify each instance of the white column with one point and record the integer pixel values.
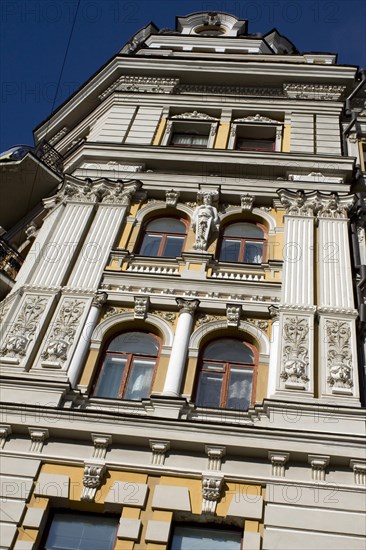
(81, 350)
(295, 355)
(338, 372)
(275, 336)
(180, 347)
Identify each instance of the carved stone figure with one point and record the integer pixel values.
(205, 221)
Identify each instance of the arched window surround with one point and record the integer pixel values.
(162, 243)
(217, 380)
(129, 372)
(243, 244)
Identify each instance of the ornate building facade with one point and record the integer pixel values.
(182, 350)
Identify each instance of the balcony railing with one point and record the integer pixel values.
(10, 261)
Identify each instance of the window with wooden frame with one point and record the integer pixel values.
(227, 375)
(80, 531)
(256, 133)
(191, 129)
(128, 366)
(164, 238)
(243, 242)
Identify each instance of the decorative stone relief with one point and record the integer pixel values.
(257, 118)
(121, 194)
(298, 203)
(246, 201)
(212, 19)
(141, 307)
(295, 358)
(5, 431)
(205, 219)
(169, 316)
(318, 465)
(94, 473)
(159, 449)
(187, 306)
(101, 443)
(195, 115)
(261, 324)
(314, 91)
(60, 134)
(339, 355)
(38, 437)
(215, 456)
(229, 90)
(211, 491)
(359, 470)
(171, 197)
(111, 310)
(278, 461)
(233, 313)
(23, 330)
(314, 177)
(202, 318)
(333, 206)
(99, 299)
(141, 84)
(62, 334)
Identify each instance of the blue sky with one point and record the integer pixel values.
(34, 35)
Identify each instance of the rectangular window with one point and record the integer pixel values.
(203, 538)
(81, 531)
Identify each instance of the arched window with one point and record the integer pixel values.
(164, 237)
(128, 366)
(243, 242)
(227, 375)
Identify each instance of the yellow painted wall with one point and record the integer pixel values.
(286, 138)
(160, 131)
(222, 136)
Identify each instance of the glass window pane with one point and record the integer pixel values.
(150, 245)
(199, 141)
(73, 531)
(244, 230)
(209, 390)
(135, 342)
(240, 389)
(230, 251)
(181, 139)
(253, 253)
(167, 225)
(139, 380)
(229, 350)
(173, 247)
(111, 375)
(201, 538)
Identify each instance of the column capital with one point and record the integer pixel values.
(298, 203)
(333, 206)
(99, 299)
(187, 306)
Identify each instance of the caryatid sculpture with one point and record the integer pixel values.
(205, 220)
